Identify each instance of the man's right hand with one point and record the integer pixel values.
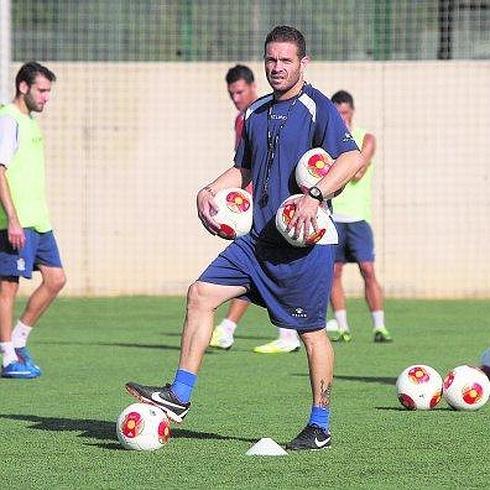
(206, 209)
(16, 235)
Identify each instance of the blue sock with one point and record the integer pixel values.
(183, 385)
(320, 417)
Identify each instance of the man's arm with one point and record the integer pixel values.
(342, 171)
(16, 234)
(367, 152)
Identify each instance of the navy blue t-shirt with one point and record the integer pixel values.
(296, 125)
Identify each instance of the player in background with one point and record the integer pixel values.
(292, 283)
(352, 216)
(241, 86)
(27, 242)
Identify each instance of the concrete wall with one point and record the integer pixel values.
(128, 146)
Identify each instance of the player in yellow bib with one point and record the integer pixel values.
(352, 216)
(27, 242)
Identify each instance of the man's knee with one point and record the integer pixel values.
(9, 287)
(55, 281)
(198, 296)
(367, 271)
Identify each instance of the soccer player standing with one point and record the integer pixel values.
(352, 215)
(292, 283)
(27, 242)
(240, 82)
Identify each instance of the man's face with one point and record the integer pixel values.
(37, 94)
(346, 112)
(242, 94)
(283, 67)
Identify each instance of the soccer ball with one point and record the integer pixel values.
(312, 167)
(485, 362)
(419, 387)
(326, 233)
(466, 388)
(235, 212)
(142, 427)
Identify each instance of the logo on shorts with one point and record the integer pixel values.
(21, 264)
(347, 137)
(299, 313)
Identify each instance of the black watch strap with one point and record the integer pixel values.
(315, 193)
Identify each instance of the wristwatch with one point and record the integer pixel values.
(315, 193)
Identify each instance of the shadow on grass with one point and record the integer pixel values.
(386, 380)
(237, 337)
(113, 344)
(105, 431)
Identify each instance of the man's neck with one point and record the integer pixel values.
(290, 93)
(21, 105)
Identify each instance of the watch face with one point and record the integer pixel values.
(315, 193)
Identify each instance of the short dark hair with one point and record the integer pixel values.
(240, 72)
(343, 97)
(28, 73)
(287, 34)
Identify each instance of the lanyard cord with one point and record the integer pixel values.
(272, 145)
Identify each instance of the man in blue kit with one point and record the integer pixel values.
(292, 283)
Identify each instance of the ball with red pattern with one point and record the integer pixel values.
(419, 387)
(312, 167)
(466, 388)
(235, 212)
(325, 233)
(142, 427)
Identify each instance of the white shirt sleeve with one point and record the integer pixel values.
(8, 139)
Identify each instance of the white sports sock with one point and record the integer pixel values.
(341, 317)
(288, 335)
(228, 326)
(20, 334)
(378, 318)
(8, 353)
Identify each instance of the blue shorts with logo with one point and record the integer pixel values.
(39, 249)
(356, 242)
(293, 284)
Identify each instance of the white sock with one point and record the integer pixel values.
(20, 334)
(341, 317)
(228, 326)
(378, 318)
(8, 353)
(288, 335)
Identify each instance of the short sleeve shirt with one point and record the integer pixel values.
(8, 139)
(307, 121)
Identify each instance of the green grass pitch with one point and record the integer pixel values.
(58, 431)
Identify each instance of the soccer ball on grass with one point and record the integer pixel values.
(466, 388)
(143, 427)
(419, 387)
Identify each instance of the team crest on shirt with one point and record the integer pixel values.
(347, 137)
(299, 313)
(21, 264)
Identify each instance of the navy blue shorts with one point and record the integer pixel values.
(292, 283)
(39, 249)
(356, 242)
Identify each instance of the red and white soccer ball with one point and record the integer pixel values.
(419, 387)
(143, 427)
(485, 362)
(466, 388)
(235, 212)
(325, 234)
(312, 167)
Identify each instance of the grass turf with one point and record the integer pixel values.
(58, 431)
